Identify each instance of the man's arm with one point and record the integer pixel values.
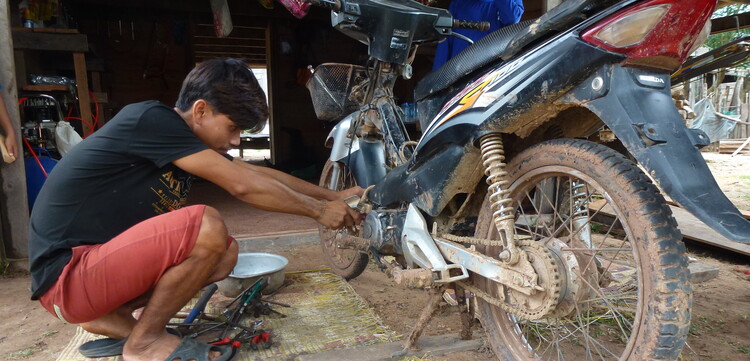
(265, 191)
(301, 186)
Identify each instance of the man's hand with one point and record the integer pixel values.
(346, 193)
(337, 214)
(11, 146)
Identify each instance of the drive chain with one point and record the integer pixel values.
(472, 240)
(538, 250)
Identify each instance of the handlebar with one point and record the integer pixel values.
(471, 25)
(334, 5)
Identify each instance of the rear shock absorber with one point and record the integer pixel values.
(581, 212)
(503, 213)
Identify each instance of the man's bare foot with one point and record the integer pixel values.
(117, 324)
(156, 349)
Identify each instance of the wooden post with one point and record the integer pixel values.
(84, 101)
(14, 207)
(274, 128)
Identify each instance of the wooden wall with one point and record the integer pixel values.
(14, 211)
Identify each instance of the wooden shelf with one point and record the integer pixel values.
(38, 40)
(46, 30)
(45, 88)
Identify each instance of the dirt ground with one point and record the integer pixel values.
(721, 313)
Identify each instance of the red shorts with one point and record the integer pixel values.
(100, 278)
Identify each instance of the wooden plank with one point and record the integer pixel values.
(50, 41)
(729, 23)
(741, 147)
(84, 101)
(720, 115)
(96, 82)
(692, 228)
(14, 207)
(46, 30)
(45, 88)
(744, 213)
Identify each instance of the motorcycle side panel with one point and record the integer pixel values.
(638, 106)
(520, 92)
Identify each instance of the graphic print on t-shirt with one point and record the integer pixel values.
(172, 191)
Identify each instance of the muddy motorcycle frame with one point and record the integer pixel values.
(525, 92)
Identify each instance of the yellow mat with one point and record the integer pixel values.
(326, 314)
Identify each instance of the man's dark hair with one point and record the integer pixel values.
(229, 87)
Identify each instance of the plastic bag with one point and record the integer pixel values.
(66, 137)
(222, 18)
(716, 128)
(50, 80)
(298, 8)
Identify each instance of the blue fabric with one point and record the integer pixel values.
(499, 13)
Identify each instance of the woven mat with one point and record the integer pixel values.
(326, 314)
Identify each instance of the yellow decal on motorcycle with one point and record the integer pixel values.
(467, 99)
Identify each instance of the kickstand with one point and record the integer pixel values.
(467, 314)
(432, 307)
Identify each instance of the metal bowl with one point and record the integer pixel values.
(251, 267)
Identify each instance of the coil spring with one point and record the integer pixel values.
(493, 159)
(579, 198)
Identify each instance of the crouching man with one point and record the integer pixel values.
(108, 232)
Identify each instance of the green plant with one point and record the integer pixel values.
(4, 267)
(26, 352)
(744, 349)
(598, 228)
(700, 325)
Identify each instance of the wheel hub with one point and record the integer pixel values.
(578, 275)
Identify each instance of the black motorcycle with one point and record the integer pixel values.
(516, 192)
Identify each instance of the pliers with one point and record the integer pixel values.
(235, 342)
(227, 341)
(261, 337)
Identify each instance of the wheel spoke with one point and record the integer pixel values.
(583, 207)
(605, 310)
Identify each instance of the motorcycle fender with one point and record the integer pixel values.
(340, 143)
(637, 106)
(366, 160)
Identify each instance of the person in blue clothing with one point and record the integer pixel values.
(498, 13)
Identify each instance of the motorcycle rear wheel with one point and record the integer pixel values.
(634, 304)
(347, 263)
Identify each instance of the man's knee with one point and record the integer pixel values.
(227, 263)
(213, 231)
(212, 221)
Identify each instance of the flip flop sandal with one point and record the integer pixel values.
(190, 349)
(105, 347)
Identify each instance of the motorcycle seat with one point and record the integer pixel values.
(506, 42)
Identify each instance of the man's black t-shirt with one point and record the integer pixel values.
(119, 176)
